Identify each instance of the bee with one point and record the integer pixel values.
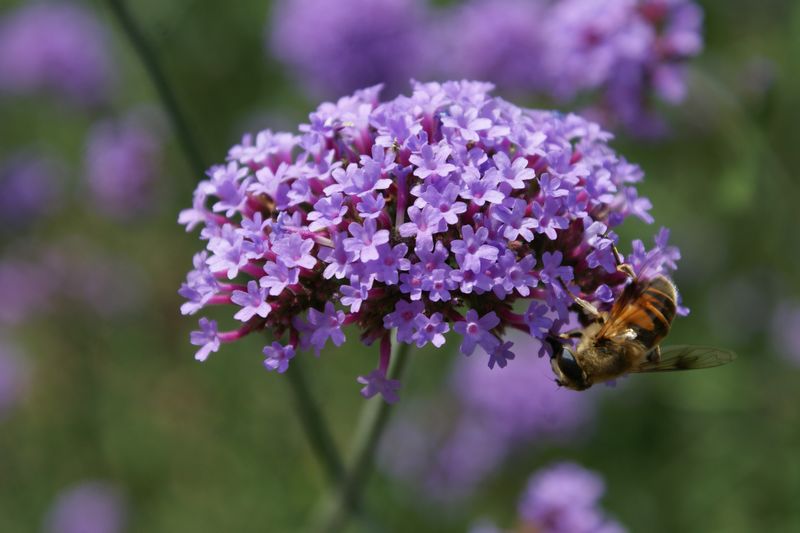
(627, 338)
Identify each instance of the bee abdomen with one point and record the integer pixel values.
(658, 302)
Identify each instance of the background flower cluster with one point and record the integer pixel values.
(627, 53)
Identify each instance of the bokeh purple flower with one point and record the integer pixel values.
(30, 188)
(40, 278)
(284, 213)
(624, 53)
(450, 444)
(57, 47)
(498, 40)
(631, 51)
(88, 507)
(561, 498)
(122, 165)
(564, 498)
(338, 48)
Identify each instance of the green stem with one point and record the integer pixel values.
(344, 500)
(159, 79)
(317, 432)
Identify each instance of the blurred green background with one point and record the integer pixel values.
(217, 447)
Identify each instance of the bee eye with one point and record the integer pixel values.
(569, 366)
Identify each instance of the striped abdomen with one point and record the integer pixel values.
(655, 310)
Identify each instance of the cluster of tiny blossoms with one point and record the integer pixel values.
(58, 47)
(617, 56)
(445, 210)
(561, 498)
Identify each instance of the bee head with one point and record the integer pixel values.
(567, 369)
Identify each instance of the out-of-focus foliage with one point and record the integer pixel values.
(111, 391)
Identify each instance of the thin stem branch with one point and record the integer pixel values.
(372, 422)
(317, 432)
(165, 93)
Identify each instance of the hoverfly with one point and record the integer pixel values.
(627, 338)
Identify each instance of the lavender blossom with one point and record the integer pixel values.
(87, 507)
(13, 378)
(30, 188)
(632, 51)
(122, 165)
(564, 499)
(490, 412)
(336, 49)
(278, 357)
(428, 258)
(625, 53)
(497, 40)
(58, 47)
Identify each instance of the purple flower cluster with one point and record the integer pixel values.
(632, 51)
(498, 40)
(122, 160)
(625, 53)
(562, 498)
(448, 446)
(30, 187)
(335, 49)
(445, 211)
(58, 47)
(87, 507)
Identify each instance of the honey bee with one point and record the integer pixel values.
(627, 338)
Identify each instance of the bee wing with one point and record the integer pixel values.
(621, 313)
(687, 358)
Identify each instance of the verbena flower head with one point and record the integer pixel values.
(58, 47)
(122, 163)
(498, 40)
(632, 51)
(449, 445)
(625, 53)
(564, 498)
(448, 212)
(337, 48)
(87, 507)
(30, 188)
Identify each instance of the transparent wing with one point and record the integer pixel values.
(687, 358)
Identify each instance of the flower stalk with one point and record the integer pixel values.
(344, 499)
(165, 93)
(317, 432)
(312, 419)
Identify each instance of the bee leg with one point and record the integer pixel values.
(574, 334)
(590, 310)
(654, 355)
(622, 266)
